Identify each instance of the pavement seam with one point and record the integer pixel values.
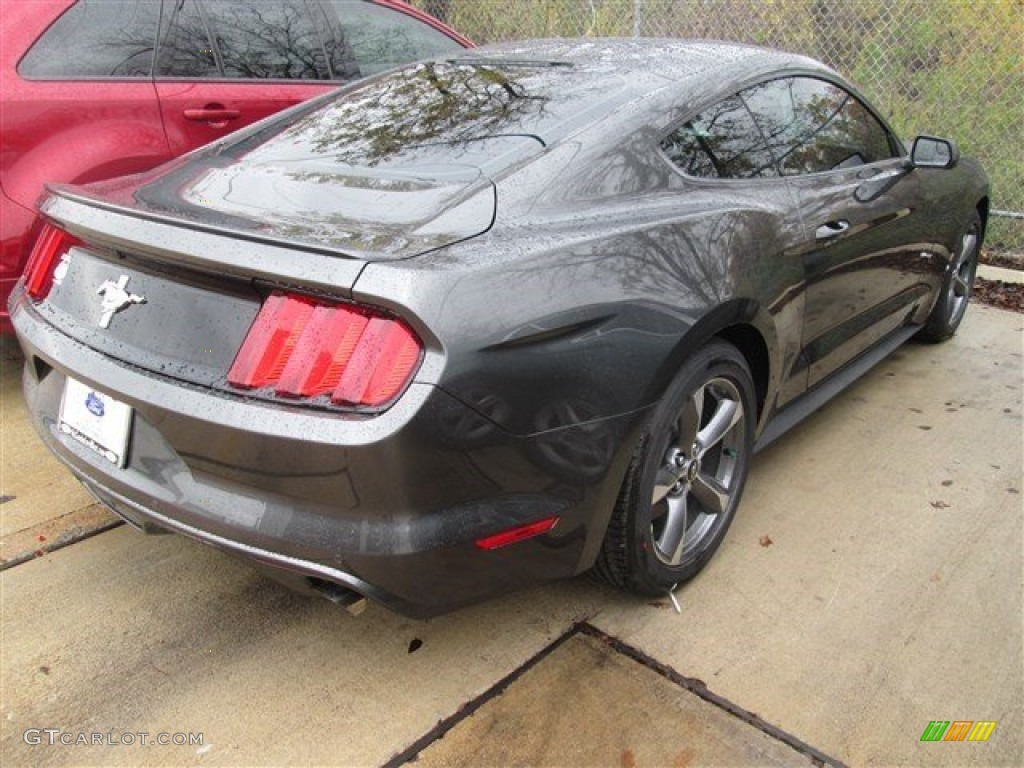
(438, 732)
(700, 689)
(691, 684)
(72, 535)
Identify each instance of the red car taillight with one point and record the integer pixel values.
(303, 348)
(50, 246)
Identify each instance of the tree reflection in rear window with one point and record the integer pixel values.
(441, 112)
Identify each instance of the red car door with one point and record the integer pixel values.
(228, 63)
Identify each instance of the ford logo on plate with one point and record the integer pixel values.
(95, 404)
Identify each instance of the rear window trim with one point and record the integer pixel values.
(424, 18)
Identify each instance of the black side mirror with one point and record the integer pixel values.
(932, 152)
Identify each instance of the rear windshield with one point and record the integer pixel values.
(442, 113)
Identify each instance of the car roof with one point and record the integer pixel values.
(579, 83)
(650, 59)
(444, 129)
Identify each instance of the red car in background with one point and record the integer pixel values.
(100, 88)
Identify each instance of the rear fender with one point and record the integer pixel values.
(100, 150)
(722, 321)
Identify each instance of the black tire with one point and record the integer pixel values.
(643, 525)
(957, 286)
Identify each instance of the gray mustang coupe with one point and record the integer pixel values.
(493, 319)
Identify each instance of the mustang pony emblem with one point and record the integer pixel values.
(116, 298)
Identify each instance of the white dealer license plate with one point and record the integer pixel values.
(96, 420)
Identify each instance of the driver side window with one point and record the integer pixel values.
(813, 126)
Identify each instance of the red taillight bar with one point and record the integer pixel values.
(51, 244)
(270, 341)
(303, 347)
(365, 381)
(315, 369)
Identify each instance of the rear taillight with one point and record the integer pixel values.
(302, 348)
(46, 254)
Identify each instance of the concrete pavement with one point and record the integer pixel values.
(891, 594)
(987, 272)
(43, 507)
(644, 719)
(871, 583)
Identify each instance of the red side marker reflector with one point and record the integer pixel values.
(304, 347)
(519, 533)
(51, 244)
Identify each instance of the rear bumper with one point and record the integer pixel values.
(388, 506)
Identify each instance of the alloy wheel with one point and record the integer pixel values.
(698, 477)
(962, 278)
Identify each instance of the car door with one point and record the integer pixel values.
(223, 64)
(866, 264)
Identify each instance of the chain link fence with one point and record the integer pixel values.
(951, 68)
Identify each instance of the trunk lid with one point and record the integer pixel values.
(183, 298)
(314, 202)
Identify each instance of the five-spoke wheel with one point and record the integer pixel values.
(697, 479)
(685, 481)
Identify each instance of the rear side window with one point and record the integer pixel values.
(96, 39)
(381, 38)
(813, 125)
(238, 39)
(722, 142)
